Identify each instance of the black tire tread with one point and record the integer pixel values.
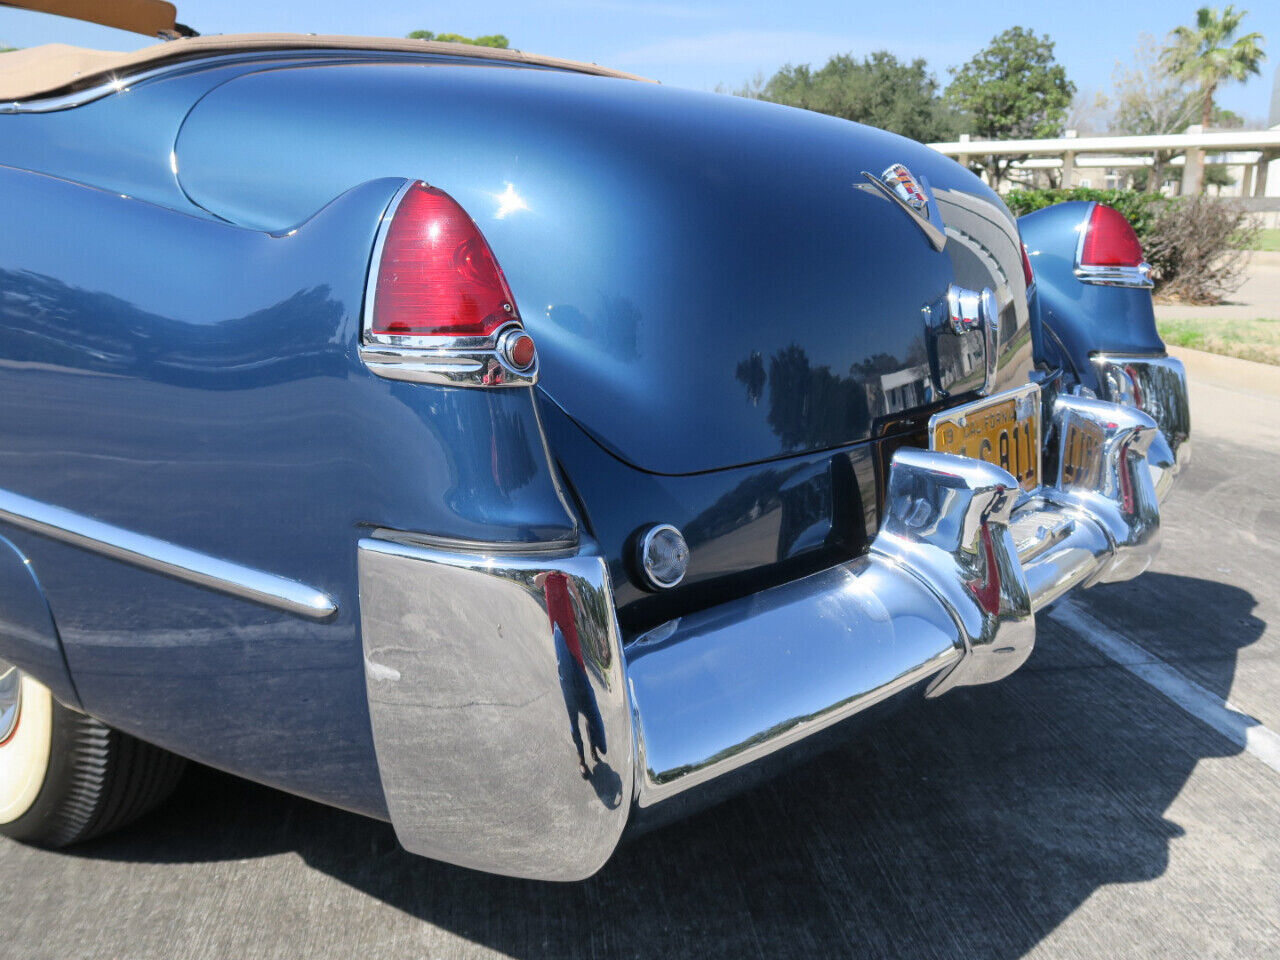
(99, 779)
(139, 779)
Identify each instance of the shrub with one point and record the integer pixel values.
(1139, 208)
(1198, 248)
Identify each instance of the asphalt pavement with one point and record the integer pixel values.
(1078, 809)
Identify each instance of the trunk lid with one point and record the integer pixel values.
(711, 281)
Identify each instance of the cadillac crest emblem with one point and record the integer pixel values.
(912, 194)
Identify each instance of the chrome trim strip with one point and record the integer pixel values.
(123, 83)
(1138, 277)
(160, 556)
(446, 368)
(79, 98)
(379, 243)
(439, 360)
(204, 60)
(1082, 231)
(485, 548)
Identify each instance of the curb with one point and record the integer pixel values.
(1230, 373)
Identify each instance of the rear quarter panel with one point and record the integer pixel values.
(198, 382)
(1082, 318)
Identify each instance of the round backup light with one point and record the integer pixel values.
(664, 556)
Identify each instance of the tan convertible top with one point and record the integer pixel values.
(57, 68)
(152, 18)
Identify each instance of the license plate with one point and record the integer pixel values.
(1081, 455)
(1004, 430)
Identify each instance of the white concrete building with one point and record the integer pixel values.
(1252, 158)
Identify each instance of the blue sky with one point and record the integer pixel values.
(701, 44)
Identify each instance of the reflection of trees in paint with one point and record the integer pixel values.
(49, 321)
(751, 373)
(809, 406)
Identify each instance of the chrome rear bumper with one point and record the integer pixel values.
(481, 704)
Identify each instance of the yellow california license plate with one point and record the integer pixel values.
(1004, 430)
(1082, 454)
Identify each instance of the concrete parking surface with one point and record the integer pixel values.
(1072, 811)
(1258, 296)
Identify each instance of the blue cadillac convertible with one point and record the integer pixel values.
(518, 451)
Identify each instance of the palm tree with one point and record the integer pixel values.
(1207, 55)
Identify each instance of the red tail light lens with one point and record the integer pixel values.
(437, 275)
(1109, 240)
(1027, 273)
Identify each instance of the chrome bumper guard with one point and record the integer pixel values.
(1158, 387)
(482, 704)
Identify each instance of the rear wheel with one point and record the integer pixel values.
(66, 777)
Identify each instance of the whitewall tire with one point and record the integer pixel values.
(26, 729)
(66, 777)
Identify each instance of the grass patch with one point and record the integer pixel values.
(1269, 240)
(1257, 340)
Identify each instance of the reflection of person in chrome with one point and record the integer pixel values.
(575, 684)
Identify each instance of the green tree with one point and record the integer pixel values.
(1208, 55)
(879, 90)
(1151, 101)
(1224, 119)
(1150, 180)
(1217, 175)
(491, 40)
(1012, 89)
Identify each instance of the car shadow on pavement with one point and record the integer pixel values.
(971, 825)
